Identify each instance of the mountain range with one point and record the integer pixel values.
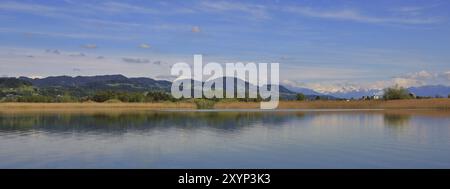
(137, 84)
(85, 85)
(103, 82)
(425, 91)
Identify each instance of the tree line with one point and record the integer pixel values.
(28, 94)
(100, 96)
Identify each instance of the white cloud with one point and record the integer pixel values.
(407, 82)
(36, 77)
(195, 29)
(144, 46)
(420, 75)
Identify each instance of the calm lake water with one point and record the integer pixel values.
(226, 139)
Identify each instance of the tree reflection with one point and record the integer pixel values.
(397, 123)
(396, 119)
(142, 121)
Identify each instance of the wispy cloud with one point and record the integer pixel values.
(26, 7)
(136, 60)
(54, 51)
(121, 7)
(90, 46)
(410, 9)
(65, 35)
(195, 29)
(254, 10)
(78, 55)
(42, 10)
(50, 64)
(144, 46)
(354, 15)
(116, 7)
(86, 13)
(414, 10)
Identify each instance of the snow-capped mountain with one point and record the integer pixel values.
(356, 93)
(303, 90)
(426, 91)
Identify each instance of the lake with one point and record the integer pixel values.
(226, 139)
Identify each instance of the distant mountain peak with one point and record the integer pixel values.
(431, 90)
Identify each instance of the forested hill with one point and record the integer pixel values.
(104, 82)
(82, 88)
(13, 83)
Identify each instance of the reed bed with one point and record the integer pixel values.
(63, 106)
(320, 104)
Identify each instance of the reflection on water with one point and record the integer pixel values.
(117, 123)
(291, 139)
(398, 123)
(396, 119)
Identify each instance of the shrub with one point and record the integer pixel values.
(204, 103)
(395, 93)
(300, 97)
(35, 98)
(103, 96)
(131, 97)
(65, 98)
(156, 96)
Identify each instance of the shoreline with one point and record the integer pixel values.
(443, 103)
(95, 106)
(368, 104)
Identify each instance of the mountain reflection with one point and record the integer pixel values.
(141, 121)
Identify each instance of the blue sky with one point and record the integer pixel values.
(325, 45)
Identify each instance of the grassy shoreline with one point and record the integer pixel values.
(363, 104)
(372, 104)
(90, 105)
